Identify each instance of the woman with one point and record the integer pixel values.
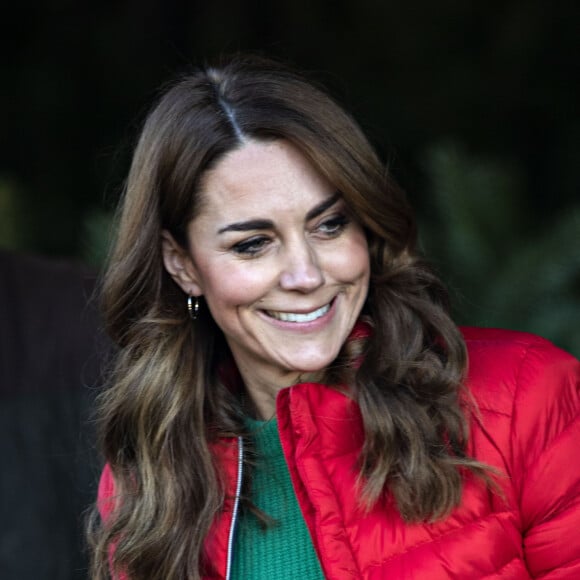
(291, 398)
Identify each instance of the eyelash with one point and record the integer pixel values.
(334, 226)
(250, 247)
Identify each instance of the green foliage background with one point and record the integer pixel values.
(501, 270)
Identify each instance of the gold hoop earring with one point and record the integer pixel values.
(193, 307)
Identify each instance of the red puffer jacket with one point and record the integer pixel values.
(527, 391)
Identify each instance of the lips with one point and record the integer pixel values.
(299, 317)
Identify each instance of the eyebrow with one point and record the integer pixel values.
(322, 207)
(261, 224)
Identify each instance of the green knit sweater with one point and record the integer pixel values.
(285, 549)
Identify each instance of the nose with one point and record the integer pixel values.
(301, 270)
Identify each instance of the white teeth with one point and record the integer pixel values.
(294, 317)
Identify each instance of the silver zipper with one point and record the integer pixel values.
(236, 506)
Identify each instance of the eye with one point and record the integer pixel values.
(334, 225)
(251, 247)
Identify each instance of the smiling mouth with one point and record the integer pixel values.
(295, 317)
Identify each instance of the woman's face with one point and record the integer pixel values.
(281, 264)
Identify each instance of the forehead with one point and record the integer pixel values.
(259, 177)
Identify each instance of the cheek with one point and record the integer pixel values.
(231, 286)
(352, 262)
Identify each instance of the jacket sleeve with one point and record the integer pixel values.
(545, 437)
(105, 505)
(106, 493)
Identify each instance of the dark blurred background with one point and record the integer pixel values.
(473, 104)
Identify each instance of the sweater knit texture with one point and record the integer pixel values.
(283, 550)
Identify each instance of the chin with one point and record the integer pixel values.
(312, 364)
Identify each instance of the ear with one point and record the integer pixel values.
(179, 264)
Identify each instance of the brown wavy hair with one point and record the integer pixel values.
(166, 402)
